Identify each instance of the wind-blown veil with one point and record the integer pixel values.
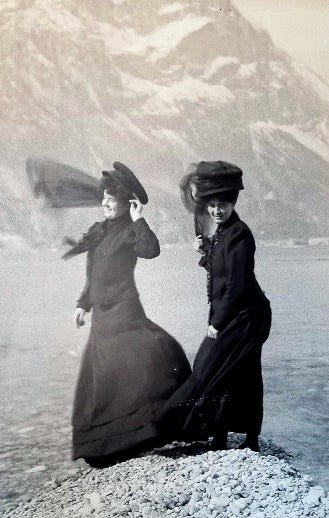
(61, 185)
(203, 225)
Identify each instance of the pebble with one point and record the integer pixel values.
(169, 482)
(241, 503)
(94, 500)
(220, 502)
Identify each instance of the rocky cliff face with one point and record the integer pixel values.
(158, 85)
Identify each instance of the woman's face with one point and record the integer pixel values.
(220, 211)
(113, 207)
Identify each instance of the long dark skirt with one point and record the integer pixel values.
(129, 367)
(225, 390)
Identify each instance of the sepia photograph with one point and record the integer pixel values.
(164, 247)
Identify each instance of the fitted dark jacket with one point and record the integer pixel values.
(111, 264)
(232, 283)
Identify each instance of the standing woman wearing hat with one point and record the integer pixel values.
(225, 391)
(130, 365)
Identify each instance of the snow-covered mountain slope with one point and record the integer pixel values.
(157, 85)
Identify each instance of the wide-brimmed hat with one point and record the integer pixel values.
(125, 178)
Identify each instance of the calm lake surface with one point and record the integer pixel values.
(40, 351)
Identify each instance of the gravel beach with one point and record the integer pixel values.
(184, 480)
(40, 355)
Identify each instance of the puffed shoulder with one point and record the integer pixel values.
(239, 228)
(239, 232)
(145, 242)
(138, 228)
(135, 227)
(89, 240)
(140, 222)
(96, 225)
(96, 229)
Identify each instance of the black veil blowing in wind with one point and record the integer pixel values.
(61, 185)
(203, 225)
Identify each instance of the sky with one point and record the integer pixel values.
(300, 27)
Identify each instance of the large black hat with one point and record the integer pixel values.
(125, 178)
(216, 177)
(204, 179)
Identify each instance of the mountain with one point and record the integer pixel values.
(158, 85)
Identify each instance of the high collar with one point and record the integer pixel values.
(109, 224)
(232, 219)
(97, 232)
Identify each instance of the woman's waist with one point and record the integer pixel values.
(120, 311)
(105, 293)
(249, 298)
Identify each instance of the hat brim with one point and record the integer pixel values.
(218, 190)
(132, 180)
(124, 176)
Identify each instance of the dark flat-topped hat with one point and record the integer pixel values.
(216, 177)
(127, 180)
(206, 179)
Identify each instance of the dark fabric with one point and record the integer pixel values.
(110, 266)
(95, 234)
(225, 389)
(234, 286)
(130, 365)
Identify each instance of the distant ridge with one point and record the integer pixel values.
(158, 85)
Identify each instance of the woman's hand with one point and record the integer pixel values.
(136, 208)
(198, 244)
(79, 317)
(212, 332)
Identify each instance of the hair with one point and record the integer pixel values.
(226, 196)
(109, 184)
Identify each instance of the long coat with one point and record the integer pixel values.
(130, 365)
(225, 389)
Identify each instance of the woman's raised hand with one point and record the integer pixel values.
(136, 208)
(79, 317)
(198, 244)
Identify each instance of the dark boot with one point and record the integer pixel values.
(219, 441)
(100, 462)
(250, 442)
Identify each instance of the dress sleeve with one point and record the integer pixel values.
(145, 242)
(84, 299)
(239, 252)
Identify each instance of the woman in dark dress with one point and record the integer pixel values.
(130, 365)
(225, 391)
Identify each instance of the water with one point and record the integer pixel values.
(40, 350)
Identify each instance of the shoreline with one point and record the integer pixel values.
(184, 480)
(40, 357)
